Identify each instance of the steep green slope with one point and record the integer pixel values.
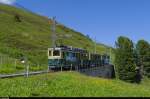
(71, 84)
(32, 36)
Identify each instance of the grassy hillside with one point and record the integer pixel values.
(10, 65)
(32, 36)
(71, 84)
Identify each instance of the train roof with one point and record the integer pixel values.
(70, 48)
(73, 49)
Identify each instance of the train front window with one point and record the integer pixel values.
(56, 53)
(50, 53)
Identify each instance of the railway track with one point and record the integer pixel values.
(40, 72)
(25, 74)
(22, 74)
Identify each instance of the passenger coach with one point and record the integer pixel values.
(69, 57)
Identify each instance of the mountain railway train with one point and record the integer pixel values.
(67, 57)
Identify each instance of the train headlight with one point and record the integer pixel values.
(23, 61)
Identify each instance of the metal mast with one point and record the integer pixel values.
(53, 28)
(110, 56)
(95, 45)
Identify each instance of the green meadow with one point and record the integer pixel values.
(71, 84)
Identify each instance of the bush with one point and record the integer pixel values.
(17, 18)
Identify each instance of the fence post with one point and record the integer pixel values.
(76, 68)
(38, 66)
(1, 61)
(48, 69)
(71, 68)
(61, 67)
(27, 70)
(15, 63)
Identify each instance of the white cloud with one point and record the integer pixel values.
(7, 1)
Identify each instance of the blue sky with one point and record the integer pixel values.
(103, 19)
